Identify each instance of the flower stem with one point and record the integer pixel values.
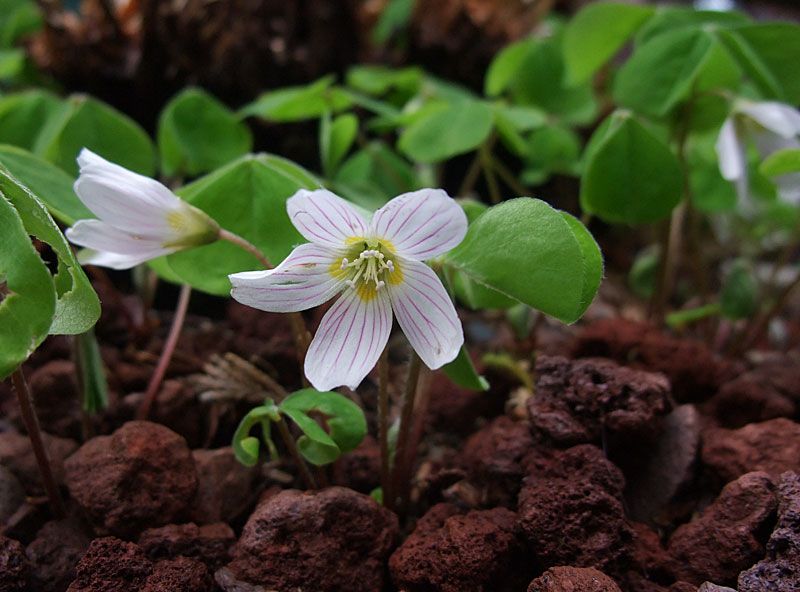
(761, 324)
(383, 428)
(301, 336)
(291, 446)
(400, 477)
(489, 174)
(670, 250)
(31, 421)
(508, 178)
(166, 354)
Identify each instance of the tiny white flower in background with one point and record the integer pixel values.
(138, 218)
(773, 126)
(377, 266)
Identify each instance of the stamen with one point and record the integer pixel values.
(369, 266)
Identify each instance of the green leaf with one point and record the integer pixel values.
(643, 272)
(48, 182)
(336, 137)
(506, 65)
(245, 446)
(344, 419)
(394, 17)
(553, 149)
(630, 176)
(12, 64)
(299, 102)
(447, 131)
(378, 80)
(710, 192)
(247, 197)
(739, 295)
(526, 250)
(769, 54)
(681, 318)
(84, 122)
(197, 134)
(374, 175)
(596, 34)
(92, 374)
(27, 292)
(781, 162)
(661, 73)
(77, 306)
(463, 373)
(23, 115)
(17, 19)
(673, 18)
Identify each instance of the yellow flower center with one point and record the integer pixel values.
(368, 266)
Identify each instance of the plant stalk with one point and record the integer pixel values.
(761, 325)
(670, 250)
(166, 354)
(291, 446)
(383, 428)
(31, 421)
(489, 174)
(400, 487)
(301, 336)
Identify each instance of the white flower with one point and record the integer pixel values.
(377, 266)
(138, 218)
(772, 126)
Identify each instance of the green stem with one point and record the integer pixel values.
(291, 446)
(508, 178)
(31, 421)
(489, 174)
(166, 354)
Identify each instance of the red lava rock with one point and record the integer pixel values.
(576, 400)
(17, 455)
(455, 410)
(14, 567)
(668, 465)
(709, 587)
(750, 398)
(140, 476)
(328, 540)
(111, 565)
(571, 510)
(780, 570)
(210, 543)
(55, 552)
(453, 552)
(573, 579)
(772, 446)
(179, 575)
(361, 468)
(693, 370)
(493, 457)
(225, 487)
(177, 408)
(649, 557)
(727, 537)
(58, 403)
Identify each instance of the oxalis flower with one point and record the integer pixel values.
(377, 268)
(138, 218)
(772, 126)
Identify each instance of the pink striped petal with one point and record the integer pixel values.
(421, 224)
(302, 281)
(325, 218)
(99, 236)
(349, 341)
(426, 314)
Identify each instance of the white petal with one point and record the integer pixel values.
(349, 341)
(779, 118)
(123, 198)
(426, 314)
(302, 281)
(730, 152)
(421, 224)
(114, 260)
(325, 218)
(99, 236)
(789, 188)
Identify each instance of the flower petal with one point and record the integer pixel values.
(349, 341)
(303, 280)
(779, 118)
(325, 218)
(421, 224)
(730, 152)
(123, 198)
(114, 260)
(99, 236)
(426, 314)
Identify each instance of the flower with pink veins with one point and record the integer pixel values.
(138, 218)
(376, 268)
